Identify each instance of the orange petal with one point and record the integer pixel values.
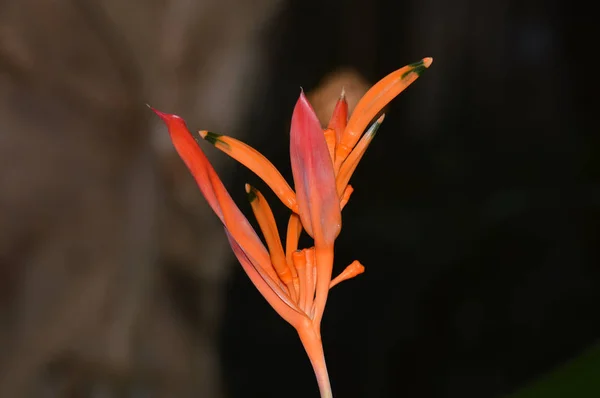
(346, 196)
(349, 165)
(256, 162)
(373, 102)
(339, 118)
(236, 224)
(314, 180)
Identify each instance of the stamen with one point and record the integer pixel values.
(351, 271)
(256, 162)
(346, 196)
(330, 140)
(268, 226)
(291, 244)
(299, 259)
(310, 279)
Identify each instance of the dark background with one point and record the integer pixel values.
(475, 212)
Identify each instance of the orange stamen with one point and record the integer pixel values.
(324, 263)
(310, 279)
(267, 224)
(346, 196)
(299, 259)
(330, 140)
(349, 272)
(355, 156)
(291, 244)
(256, 162)
(373, 101)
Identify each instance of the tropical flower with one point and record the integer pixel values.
(296, 282)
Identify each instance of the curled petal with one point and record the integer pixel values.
(314, 180)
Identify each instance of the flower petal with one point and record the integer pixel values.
(217, 196)
(314, 179)
(347, 168)
(339, 118)
(373, 102)
(257, 163)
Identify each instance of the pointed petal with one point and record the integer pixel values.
(195, 160)
(314, 180)
(373, 102)
(339, 118)
(257, 163)
(217, 196)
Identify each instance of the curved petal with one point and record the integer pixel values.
(373, 102)
(217, 196)
(314, 179)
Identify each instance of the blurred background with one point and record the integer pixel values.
(476, 209)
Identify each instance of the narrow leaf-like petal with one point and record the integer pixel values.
(314, 180)
(256, 162)
(339, 118)
(373, 102)
(217, 196)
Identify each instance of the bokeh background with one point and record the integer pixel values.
(476, 209)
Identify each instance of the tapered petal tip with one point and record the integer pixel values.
(250, 192)
(418, 67)
(166, 117)
(212, 138)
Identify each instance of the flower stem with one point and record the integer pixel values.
(311, 340)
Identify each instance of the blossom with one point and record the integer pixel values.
(295, 282)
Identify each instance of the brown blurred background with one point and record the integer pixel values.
(476, 210)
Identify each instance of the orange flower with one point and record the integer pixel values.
(296, 282)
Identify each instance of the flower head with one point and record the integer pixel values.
(296, 282)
